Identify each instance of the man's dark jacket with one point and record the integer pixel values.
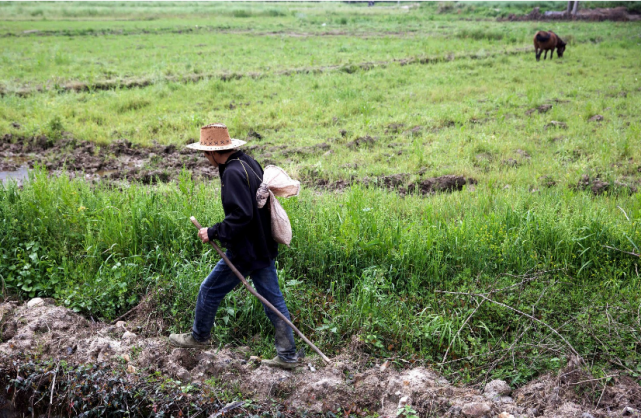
(246, 230)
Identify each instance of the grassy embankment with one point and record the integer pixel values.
(364, 262)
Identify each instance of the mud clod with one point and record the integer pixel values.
(396, 182)
(120, 160)
(394, 128)
(598, 186)
(556, 124)
(476, 409)
(541, 109)
(446, 183)
(547, 181)
(497, 387)
(362, 141)
(252, 134)
(128, 335)
(8, 330)
(544, 108)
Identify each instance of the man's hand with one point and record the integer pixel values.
(202, 234)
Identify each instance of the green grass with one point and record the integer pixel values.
(89, 55)
(55, 60)
(441, 92)
(362, 263)
(471, 115)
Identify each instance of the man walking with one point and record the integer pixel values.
(246, 233)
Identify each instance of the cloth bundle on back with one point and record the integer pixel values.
(277, 182)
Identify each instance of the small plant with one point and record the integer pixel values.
(54, 128)
(275, 13)
(407, 412)
(242, 13)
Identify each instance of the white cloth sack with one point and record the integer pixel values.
(277, 182)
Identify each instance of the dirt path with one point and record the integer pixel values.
(47, 331)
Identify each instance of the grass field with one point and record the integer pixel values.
(345, 94)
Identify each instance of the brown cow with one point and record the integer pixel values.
(547, 41)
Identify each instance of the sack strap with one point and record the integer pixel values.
(246, 174)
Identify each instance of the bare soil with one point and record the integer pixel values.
(399, 183)
(598, 186)
(353, 381)
(122, 160)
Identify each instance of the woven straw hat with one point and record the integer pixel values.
(215, 137)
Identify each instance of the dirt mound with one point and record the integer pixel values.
(573, 390)
(448, 183)
(544, 108)
(58, 333)
(48, 331)
(399, 183)
(598, 186)
(364, 141)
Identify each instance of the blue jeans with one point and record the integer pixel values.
(221, 281)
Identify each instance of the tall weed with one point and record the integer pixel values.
(364, 263)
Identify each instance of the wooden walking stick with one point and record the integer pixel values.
(262, 299)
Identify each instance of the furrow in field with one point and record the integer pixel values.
(134, 82)
(203, 29)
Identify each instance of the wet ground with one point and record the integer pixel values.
(18, 174)
(123, 161)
